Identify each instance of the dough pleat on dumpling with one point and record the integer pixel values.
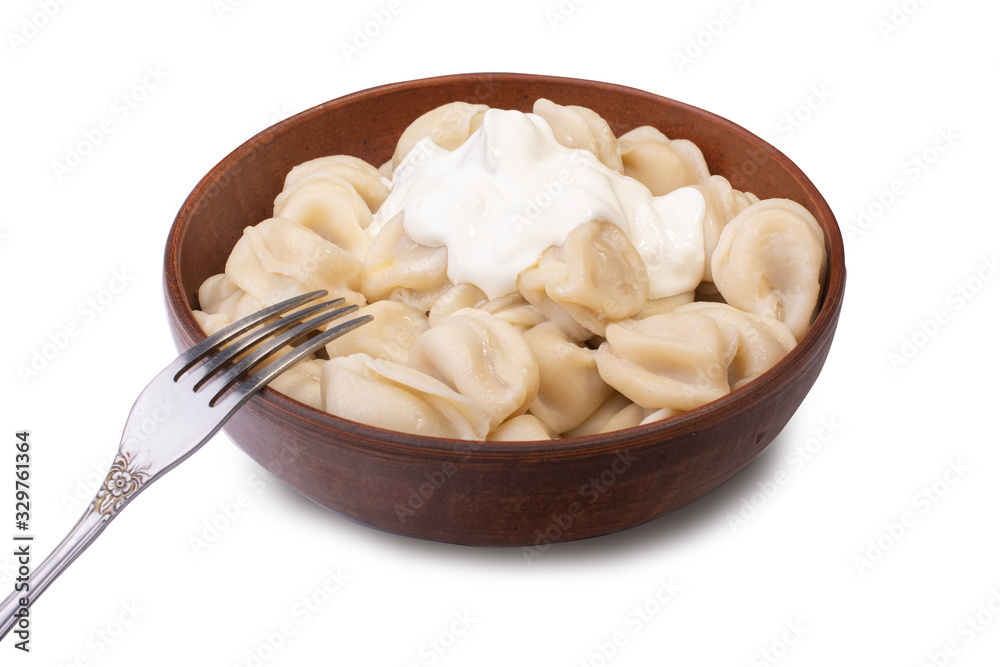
(520, 428)
(595, 277)
(390, 334)
(393, 396)
(366, 179)
(330, 206)
(278, 259)
(570, 387)
(771, 260)
(763, 341)
(396, 261)
(661, 164)
(481, 357)
(674, 360)
(448, 126)
(722, 204)
(581, 128)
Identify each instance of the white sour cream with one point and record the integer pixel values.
(511, 190)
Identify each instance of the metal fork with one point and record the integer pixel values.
(178, 412)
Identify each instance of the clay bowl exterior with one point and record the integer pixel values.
(486, 493)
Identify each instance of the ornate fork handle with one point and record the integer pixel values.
(188, 403)
(123, 483)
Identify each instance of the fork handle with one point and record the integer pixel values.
(83, 534)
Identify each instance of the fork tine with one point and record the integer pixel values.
(198, 352)
(242, 393)
(234, 373)
(209, 368)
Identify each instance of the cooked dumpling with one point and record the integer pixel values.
(520, 428)
(330, 206)
(570, 388)
(659, 163)
(302, 382)
(771, 261)
(366, 179)
(389, 335)
(399, 398)
(595, 421)
(463, 295)
(219, 295)
(448, 126)
(513, 309)
(722, 204)
(675, 360)
(278, 259)
(581, 128)
(596, 276)
(762, 342)
(481, 357)
(663, 305)
(394, 260)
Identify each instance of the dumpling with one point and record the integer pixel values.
(762, 341)
(483, 358)
(513, 309)
(389, 335)
(595, 422)
(570, 387)
(771, 260)
(302, 382)
(722, 204)
(520, 428)
(675, 360)
(663, 305)
(330, 206)
(366, 180)
(393, 396)
(219, 295)
(394, 260)
(278, 259)
(659, 163)
(463, 295)
(581, 128)
(448, 126)
(596, 276)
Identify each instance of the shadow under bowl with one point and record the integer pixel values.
(495, 493)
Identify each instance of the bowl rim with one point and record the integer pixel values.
(826, 319)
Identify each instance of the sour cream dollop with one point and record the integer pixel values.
(511, 190)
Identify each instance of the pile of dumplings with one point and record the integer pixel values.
(577, 349)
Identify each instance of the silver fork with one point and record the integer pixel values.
(178, 412)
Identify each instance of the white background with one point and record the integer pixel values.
(869, 551)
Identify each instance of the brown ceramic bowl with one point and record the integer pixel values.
(491, 493)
